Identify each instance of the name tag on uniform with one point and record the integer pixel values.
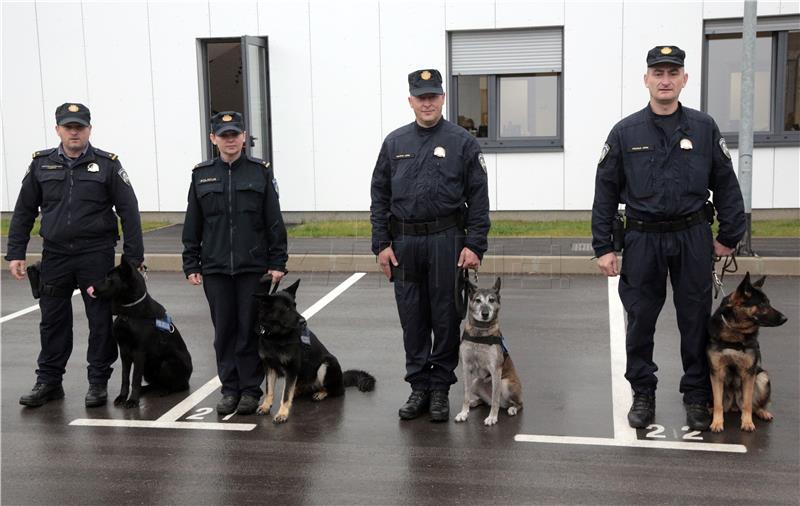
(208, 180)
(403, 156)
(52, 167)
(639, 149)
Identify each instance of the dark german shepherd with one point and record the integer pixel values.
(145, 334)
(289, 349)
(737, 380)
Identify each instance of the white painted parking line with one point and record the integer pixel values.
(624, 434)
(638, 443)
(169, 419)
(27, 310)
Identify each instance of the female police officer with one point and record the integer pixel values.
(232, 234)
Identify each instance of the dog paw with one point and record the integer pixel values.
(764, 415)
(748, 426)
(512, 411)
(120, 400)
(280, 418)
(131, 403)
(462, 417)
(716, 426)
(490, 420)
(262, 410)
(318, 396)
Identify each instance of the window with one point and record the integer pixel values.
(506, 88)
(776, 114)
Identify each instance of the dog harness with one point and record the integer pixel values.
(485, 340)
(165, 323)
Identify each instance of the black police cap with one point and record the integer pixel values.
(425, 82)
(227, 121)
(665, 54)
(73, 112)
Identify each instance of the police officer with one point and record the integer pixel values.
(429, 186)
(661, 163)
(76, 186)
(232, 234)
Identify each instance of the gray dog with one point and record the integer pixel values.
(489, 374)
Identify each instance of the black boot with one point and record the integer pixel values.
(440, 406)
(643, 410)
(247, 405)
(697, 416)
(96, 396)
(416, 404)
(41, 393)
(227, 404)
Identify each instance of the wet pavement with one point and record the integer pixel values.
(355, 450)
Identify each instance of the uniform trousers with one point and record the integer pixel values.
(233, 314)
(424, 287)
(687, 257)
(65, 273)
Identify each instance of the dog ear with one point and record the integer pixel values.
(496, 286)
(471, 287)
(744, 288)
(293, 288)
(760, 282)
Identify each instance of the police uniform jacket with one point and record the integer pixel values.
(427, 173)
(663, 178)
(233, 219)
(76, 200)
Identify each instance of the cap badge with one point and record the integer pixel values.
(666, 50)
(227, 117)
(425, 75)
(439, 152)
(93, 167)
(73, 108)
(686, 144)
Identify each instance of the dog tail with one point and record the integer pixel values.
(362, 379)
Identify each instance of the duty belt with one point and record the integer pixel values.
(682, 223)
(398, 227)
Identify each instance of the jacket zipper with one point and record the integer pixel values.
(69, 201)
(230, 211)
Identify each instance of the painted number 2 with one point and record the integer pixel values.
(200, 413)
(657, 431)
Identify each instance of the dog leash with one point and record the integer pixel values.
(462, 291)
(726, 267)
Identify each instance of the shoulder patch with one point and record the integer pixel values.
(44, 152)
(724, 148)
(603, 153)
(482, 162)
(205, 163)
(124, 176)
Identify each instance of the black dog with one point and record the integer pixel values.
(146, 336)
(737, 379)
(289, 349)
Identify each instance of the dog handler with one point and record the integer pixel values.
(661, 163)
(76, 186)
(428, 186)
(233, 233)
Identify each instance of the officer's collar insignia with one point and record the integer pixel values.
(686, 144)
(724, 148)
(666, 50)
(482, 162)
(425, 75)
(124, 176)
(93, 167)
(603, 153)
(439, 151)
(73, 108)
(208, 180)
(403, 156)
(227, 117)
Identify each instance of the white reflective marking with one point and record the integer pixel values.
(620, 389)
(148, 424)
(189, 402)
(228, 417)
(27, 310)
(638, 443)
(347, 283)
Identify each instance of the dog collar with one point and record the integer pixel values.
(498, 339)
(134, 303)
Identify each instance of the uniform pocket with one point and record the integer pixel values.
(52, 183)
(91, 186)
(639, 177)
(699, 167)
(250, 196)
(212, 199)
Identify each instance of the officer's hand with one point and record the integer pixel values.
(277, 276)
(468, 259)
(721, 250)
(608, 264)
(384, 257)
(17, 268)
(195, 278)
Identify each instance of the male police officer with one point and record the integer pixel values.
(75, 185)
(429, 184)
(661, 162)
(233, 233)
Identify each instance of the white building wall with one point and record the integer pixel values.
(338, 87)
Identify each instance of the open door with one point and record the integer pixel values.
(256, 93)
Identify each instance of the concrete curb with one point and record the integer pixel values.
(499, 264)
